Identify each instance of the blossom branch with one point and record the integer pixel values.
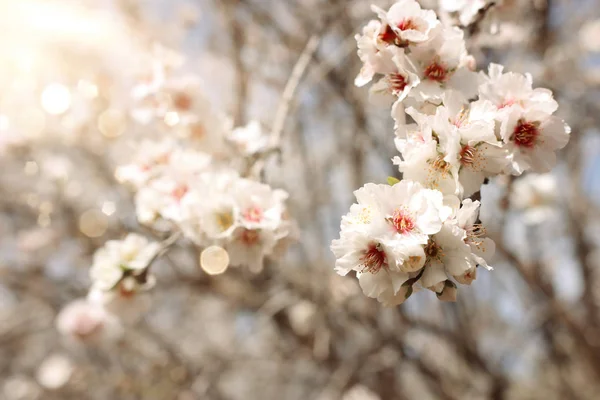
(290, 88)
(473, 27)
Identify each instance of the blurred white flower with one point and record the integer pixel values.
(120, 259)
(127, 305)
(246, 217)
(151, 158)
(536, 196)
(466, 9)
(85, 321)
(589, 34)
(250, 139)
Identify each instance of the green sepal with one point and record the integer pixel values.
(392, 181)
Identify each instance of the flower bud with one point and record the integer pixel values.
(467, 277)
(437, 288)
(302, 317)
(449, 292)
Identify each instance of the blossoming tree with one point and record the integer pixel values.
(173, 175)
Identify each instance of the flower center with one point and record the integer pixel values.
(374, 259)
(224, 220)
(525, 134)
(365, 215)
(182, 102)
(163, 159)
(469, 276)
(407, 24)
(440, 165)
(197, 130)
(438, 170)
(468, 156)
(388, 35)
(402, 222)
(436, 72)
(179, 192)
(397, 83)
(507, 103)
(475, 234)
(253, 214)
(250, 236)
(433, 250)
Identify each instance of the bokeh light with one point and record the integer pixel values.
(56, 99)
(214, 260)
(112, 123)
(93, 223)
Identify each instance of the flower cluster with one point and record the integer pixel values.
(454, 129)
(402, 234)
(120, 274)
(416, 56)
(194, 184)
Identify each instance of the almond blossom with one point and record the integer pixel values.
(443, 63)
(120, 263)
(383, 236)
(532, 138)
(399, 77)
(427, 241)
(405, 23)
(462, 153)
(454, 129)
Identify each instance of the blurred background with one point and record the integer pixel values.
(530, 329)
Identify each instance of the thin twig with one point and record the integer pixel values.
(165, 245)
(473, 27)
(290, 88)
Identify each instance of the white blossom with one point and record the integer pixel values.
(462, 153)
(83, 321)
(511, 89)
(465, 9)
(454, 130)
(536, 196)
(532, 136)
(127, 305)
(399, 77)
(443, 63)
(405, 22)
(368, 52)
(120, 259)
(250, 139)
(383, 236)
